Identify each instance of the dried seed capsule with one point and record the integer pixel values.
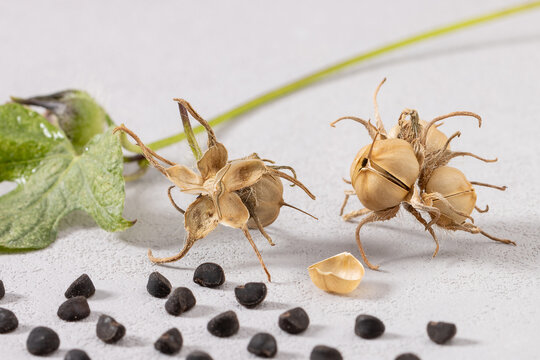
(181, 300)
(441, 332)
(42, 341)
(198, 355)
(368, 327)
(74, 309)
(170, 342)
(263, 345)
(109, 330)
(158, 285)
(224, 325)
(8, 321)
(83, 286)
(209, 275)
(251, 294)
(76, 354)
(407, 356)
(2, 289)
(322, 352)
(294, 321)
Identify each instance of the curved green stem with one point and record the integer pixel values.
(318, 75)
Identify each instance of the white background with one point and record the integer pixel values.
(134, 57)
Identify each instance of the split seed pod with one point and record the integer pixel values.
(235, 193)
(341, 273)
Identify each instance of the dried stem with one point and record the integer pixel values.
(380, 125)
(442, 117)
(355, 214)
(462, 153)
(372, 130)
(172, 200)
(211, 135)
(410, 208)
(261, 228)
(292, 180)
(482, 211)
(371, 218)
(295, 208)
(248, 236)
(502, 188)
(188, 130)
(187, 245)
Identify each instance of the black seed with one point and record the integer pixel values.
(251, 294)
(42, 341)
(76, 354)
(170, 342)
(209, 275)
(2, 289)
(8, 321)
(109, 330)
(294, 321)
(224, 325)
(83, 286)
(181, 300)
(74, 309)
(198, 355)
(321, 352)
(158, 285)
(263, 345)
(407, 356)
(441, 332)
(368, 327)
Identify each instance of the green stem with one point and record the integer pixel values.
(318, 75)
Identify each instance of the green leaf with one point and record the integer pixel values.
(53, 180)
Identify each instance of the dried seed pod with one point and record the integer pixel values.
(240, 193)
(435, 138)
(341, 273)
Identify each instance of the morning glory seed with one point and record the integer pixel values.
(76, 354)
(181, 300)
(2, 289)
(109, 330)
(198, 355)
(263, 345)
(407, 356)
(441, 332)
(42, 341)
(158, 285)
(8, 321)
(322, 352)
(209, 275)
(294, 321)
(82, 286)
(74, 309)
(251, 294)
(368, 327)
(224, 325)
(170, 342)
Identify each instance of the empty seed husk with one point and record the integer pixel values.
(294, 321)
(322, 352)
(76, 354)
(74, 309)
(181, 300)
(8, 321)
(82, 286)
(209, 275)
(109, 330)
(224, 325)
(368, 327)
(407, 356)
(2, 289)
(341, 273)
(250, 294)
(263, 345)
(42, 341)
(170, 342)
(158, 285)
(198, 355)
(441, 332)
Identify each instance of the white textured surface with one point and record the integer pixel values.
(135, 57)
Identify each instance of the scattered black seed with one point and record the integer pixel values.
(76, 354)
(368, 327)
(407, 356)
(109, 330)
(2, 289)
(224, 325)
(321, 352)
(251, 294)
(209, 275)
(8, 321)
(263, 345)
(198, 355)
(42, 341)
(441, 332)
(74, 309)
(83, 286)
(170, 342)
(294, 321)
(181, 300)
(158, 285)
